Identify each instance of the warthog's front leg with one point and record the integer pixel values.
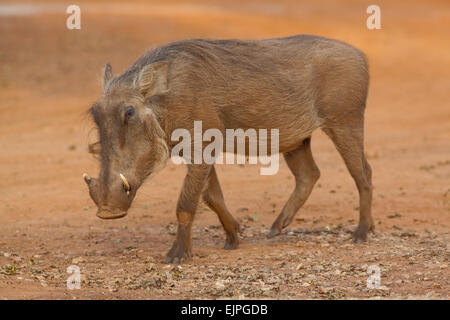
(213, 197)
(186, 207)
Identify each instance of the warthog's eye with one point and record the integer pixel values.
(129, 112)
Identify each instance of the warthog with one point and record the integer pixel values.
(295, 84)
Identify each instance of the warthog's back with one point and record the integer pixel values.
(295, 84)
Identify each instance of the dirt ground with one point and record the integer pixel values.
(49, 76)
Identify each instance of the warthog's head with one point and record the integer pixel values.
(132, 144)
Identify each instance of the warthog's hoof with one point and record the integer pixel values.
(273, 232)
(178, 252)
(360, 234)
(174, 260)
(230, 245)
(232, 241)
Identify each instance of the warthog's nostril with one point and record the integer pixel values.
(125, 183)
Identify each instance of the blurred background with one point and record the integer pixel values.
(50, 75)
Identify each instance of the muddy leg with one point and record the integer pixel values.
(213, 197)
(186, 207)
(306, 173)
(349, 142)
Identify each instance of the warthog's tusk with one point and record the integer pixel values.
(86, 178)
(125, 183)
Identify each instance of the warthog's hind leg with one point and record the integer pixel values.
(349, 142)
(213, 197)
(306, 173)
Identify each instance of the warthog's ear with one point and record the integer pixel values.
(107, 74)
(152, 80)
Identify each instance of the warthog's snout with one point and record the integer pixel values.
(107, 213)
(113, 200)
